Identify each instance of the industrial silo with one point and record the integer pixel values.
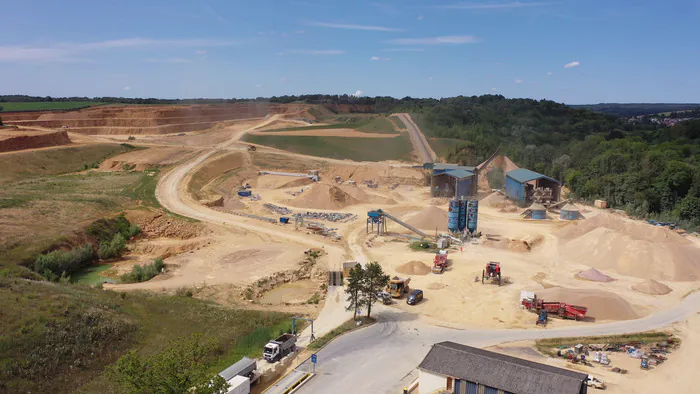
(462, 215)
(472, 215)
(453, 216)
(539, 212)
(569, 212)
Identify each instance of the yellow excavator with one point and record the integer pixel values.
(398, 287)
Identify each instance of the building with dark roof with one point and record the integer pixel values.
(450, 180)
(527, 186)
(454, 368)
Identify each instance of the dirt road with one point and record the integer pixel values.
(420, 144)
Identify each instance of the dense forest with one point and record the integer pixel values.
(629, 110)
(648, 170)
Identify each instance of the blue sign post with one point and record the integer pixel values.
(313, 361)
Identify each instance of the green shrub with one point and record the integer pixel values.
(113, 249)
(58, 263)
(146, 272)
(105, 229)
(131, 138)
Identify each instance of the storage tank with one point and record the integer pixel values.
(569, 212)
(472, 215)
(453, 216)
(462, 215)
(539, 212)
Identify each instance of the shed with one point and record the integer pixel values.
(525, 186)
(570, 212)
(464, 370)
(451, 183)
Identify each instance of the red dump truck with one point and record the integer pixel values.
(560, 309)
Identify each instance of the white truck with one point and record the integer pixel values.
(280, 347)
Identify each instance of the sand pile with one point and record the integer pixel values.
(612, 243)
(652, 287)
(435, 286)
(594, 275)
(613, 251)
(496, 200)
(413, 268)
(429, 219)
(602, 305)
(323, 196)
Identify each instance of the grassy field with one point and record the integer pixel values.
(444, 146)
(340, 330)
(358, 149)
(72, 332)
(364, 123)
(47, 105)
(27, 164)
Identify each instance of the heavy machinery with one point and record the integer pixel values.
(492, 272)
(280, 347)
(560, 309)
(398, 286)
(440, 262)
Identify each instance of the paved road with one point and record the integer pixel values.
(383, 358)
(420, 144)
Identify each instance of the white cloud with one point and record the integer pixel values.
(127, 87)
(314, 51)
(200, 52)
(491, 6)
(74, 52)
(299, 31)
(572, 64)
(518, 81)
(549, 73)
(493, 89)
(174, 60)
(436, 40)
(348, 26)
(259, 86)
(375, 58)
(420, 17)
(358, 93)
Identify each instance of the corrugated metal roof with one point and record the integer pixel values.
(237, 368)
(523, 175)
(459, 174)
(499, 371)
(448, 166)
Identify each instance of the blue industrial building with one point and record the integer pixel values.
(528, 186)
(450, 180)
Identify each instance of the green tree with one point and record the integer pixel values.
(689, 209)
(375, 281)
(354, 288)
(181, 368)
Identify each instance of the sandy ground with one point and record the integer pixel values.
(534, 255)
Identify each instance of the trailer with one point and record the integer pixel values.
(246, 367)
(280, 347)
(238, 385)
(561, 309)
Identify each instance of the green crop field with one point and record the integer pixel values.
(47, 105)
(358, 149)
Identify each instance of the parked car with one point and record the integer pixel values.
(415, 297)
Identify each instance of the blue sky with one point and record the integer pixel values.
(568, 51)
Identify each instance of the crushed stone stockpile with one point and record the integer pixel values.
(602, 305)
(429, 219)
(651, 287)
(325, 196)
(594, 275)
(413, 268)
(496, 200)
(627, 248)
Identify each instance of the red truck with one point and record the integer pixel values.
(440, 262)
(560, 309)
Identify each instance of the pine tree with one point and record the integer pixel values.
(354, 290)
(375, 280)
